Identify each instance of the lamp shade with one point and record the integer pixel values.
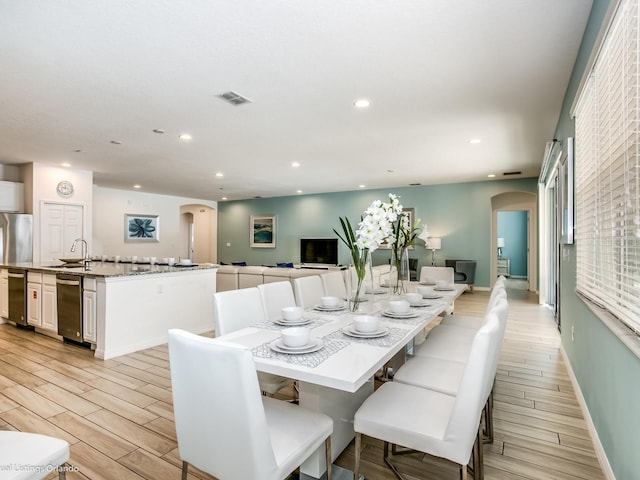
(435, 243)
(500, 242)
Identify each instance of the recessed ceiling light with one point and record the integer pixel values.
(475, 141)
(361, 103)
(137, 186)
(158, 130)
(184, 136)
(295, 164)
(116, 142)
(361, 185)
(67, 165)
(298, 191)
(219, 174)
(491, 175)
(224, 198)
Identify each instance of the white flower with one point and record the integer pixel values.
(424, 235)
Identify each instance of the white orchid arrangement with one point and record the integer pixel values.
(375, 227)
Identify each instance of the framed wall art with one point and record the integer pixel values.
(141, 228)
(262, 231)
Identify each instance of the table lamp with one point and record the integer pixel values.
(500, 244)
(434, 243)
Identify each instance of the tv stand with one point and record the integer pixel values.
(322, 266)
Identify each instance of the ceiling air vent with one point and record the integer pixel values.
(512, 173)
(234, 98)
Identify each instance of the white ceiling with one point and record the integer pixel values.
(76, 74)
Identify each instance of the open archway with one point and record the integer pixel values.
(517, 201)
(198, 233)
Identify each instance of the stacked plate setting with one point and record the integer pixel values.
(313, 345)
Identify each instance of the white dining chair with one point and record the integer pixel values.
(224, 427)
(308, 291)
(334, 284)
(445, 375)
(236, 309)
(475, 322)
(276, 296)
(437, 273)
(433, 422)
(41, 453)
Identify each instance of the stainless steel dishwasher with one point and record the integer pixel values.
(18, 297)
(69, 293)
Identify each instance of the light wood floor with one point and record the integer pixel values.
(117, 414)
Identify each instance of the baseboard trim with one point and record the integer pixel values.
(595, 439)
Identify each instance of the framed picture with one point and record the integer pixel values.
(262, 231)
(565, 180)
(141, 228)
(412, 218)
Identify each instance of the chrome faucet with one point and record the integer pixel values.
(85, 256)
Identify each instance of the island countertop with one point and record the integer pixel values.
(107, 269)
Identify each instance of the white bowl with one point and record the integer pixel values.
(399, 306)
(425, 290)
(366, 323)
(292, 314)
(330, 301)
(443, 284)
(295, 336)
(185, 261)
(413, 298)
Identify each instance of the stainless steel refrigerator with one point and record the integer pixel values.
(16, 247)
(16, 244)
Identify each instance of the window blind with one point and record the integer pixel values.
(607, 173)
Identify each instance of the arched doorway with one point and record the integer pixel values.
(516, 201)
(198, 233)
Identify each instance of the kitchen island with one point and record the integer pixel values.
(129, 307)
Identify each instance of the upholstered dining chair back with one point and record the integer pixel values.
(219, 414)
(473, 392)
(308, 290)
(334, 284)
(437, 273)
(275, 296)
(236, 309)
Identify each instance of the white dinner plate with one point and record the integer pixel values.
(314, 345)
(386, 313)
(431, 296)
(287, 323)
(421, 304)
(427, 283)
(337, 308)
(352, 332)
(441, 289)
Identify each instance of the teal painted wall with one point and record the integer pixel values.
(459, 213)
(607, 371)
(512, 226)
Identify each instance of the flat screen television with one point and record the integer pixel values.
(319, 251)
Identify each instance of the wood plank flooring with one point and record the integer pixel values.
(118, 417)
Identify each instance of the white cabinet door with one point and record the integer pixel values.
(60, 225)
(49, 305)
(89, 313)
(4, 293)
(11, 196)
(34, 308)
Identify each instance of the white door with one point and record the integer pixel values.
(60, 225)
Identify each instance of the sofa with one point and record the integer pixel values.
(232, 277)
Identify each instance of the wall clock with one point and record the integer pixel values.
(65, 189)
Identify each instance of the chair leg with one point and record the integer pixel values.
(62, 472)
(488, 419)
(356, 468)
(478, 457)
(327, 449)
(463, 472)
(185, 468)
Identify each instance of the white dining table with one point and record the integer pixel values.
(338, 377)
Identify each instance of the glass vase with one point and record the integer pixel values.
(360, 279)
(402, 277)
